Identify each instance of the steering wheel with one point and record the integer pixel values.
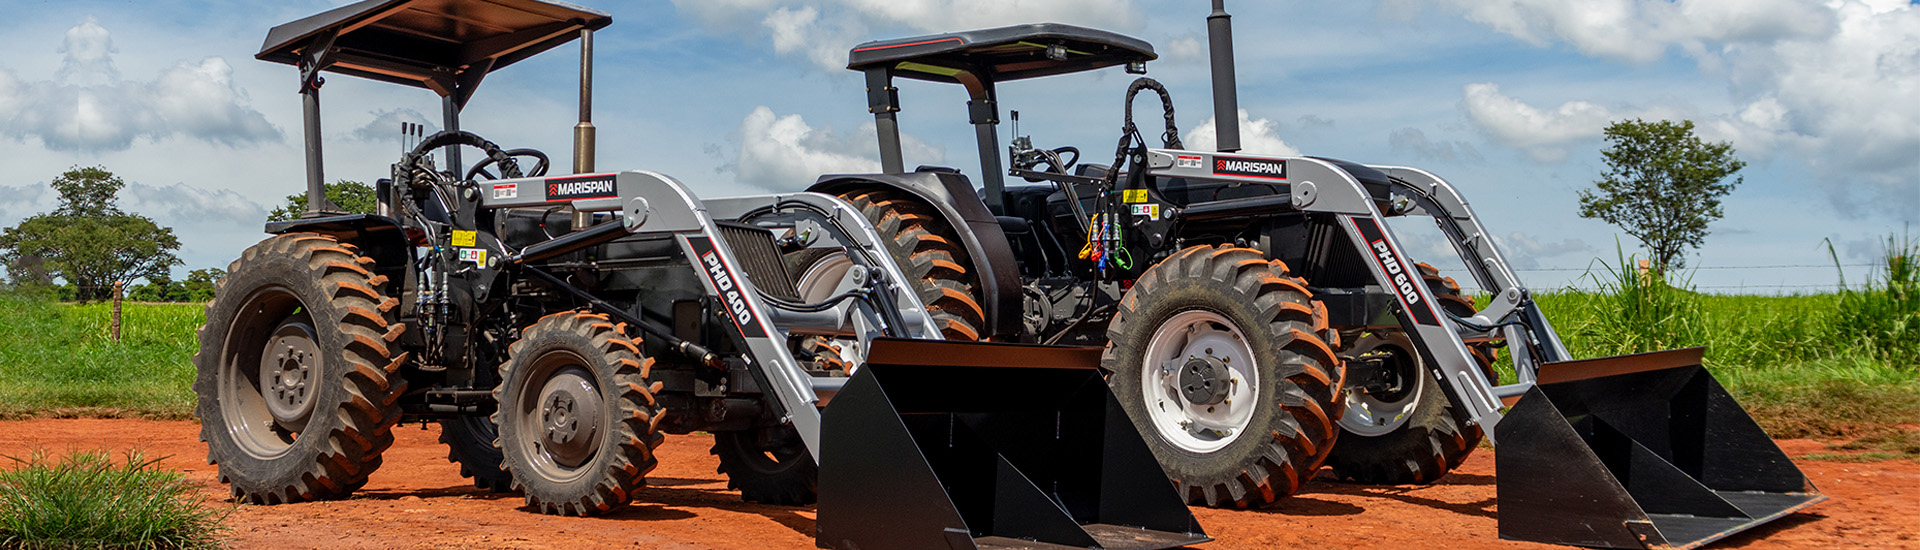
(508, 167)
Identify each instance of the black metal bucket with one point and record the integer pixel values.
(1638, 451)
(970, 446)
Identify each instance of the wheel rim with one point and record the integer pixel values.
(822, 277)
(818, 282)
(1200, 381)
(267, 383)
(561, 412)
(287, 366)
(1376, 414)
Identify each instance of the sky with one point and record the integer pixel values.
(1506, 99)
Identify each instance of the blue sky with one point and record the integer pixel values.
(1505, 98)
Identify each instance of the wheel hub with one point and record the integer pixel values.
(1200, 381)
(1381, 407)
(1205, 380)
(569, 418)
(287, 368)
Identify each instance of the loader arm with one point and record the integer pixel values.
(654, 203)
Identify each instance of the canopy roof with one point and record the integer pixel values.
(1001, 54)
(442, 45)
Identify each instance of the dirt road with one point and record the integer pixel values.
(418, 500)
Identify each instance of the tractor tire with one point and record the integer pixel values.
(577, 414)
(1249, 333)
(783, 476)
(469, 441)
(930, 253)
(297, 376)
(1385, 443)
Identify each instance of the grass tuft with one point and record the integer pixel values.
(86, 501)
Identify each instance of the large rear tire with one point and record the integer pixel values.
(930, 252)
(296, 369)
(577, 414)
(1413, 435)
(1221, 360)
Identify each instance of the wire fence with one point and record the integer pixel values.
(1751, 287)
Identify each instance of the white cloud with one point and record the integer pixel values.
(1832, 82)
(1542, 133)
(88, 107)
(182, 204)
(1639, 30)
(784, 152)
(1525, 252)
(1412, 140)
(1257, 135)
(19, 202)
(823, 31)
(385, 125)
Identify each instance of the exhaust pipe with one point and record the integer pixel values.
(583, 132)
(1226, 101)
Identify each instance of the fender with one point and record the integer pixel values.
(379, 237)
(952, 195)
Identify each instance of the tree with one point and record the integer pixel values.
(351, 196)
(87, 241)
(1663, 186)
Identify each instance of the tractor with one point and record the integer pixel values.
(558, 327)
(1260, 319)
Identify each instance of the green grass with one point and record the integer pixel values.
(56, 359)
(1836, 367)
(86, 501)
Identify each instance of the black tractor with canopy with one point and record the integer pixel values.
(559, 326)
(1260, 319)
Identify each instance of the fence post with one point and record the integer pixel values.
(118, 286)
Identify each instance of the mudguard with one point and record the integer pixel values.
(953, 196)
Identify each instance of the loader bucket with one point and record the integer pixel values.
(972, 446)
(1638, 451)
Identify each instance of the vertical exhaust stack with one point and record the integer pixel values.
(583, 133)
(1226, 100)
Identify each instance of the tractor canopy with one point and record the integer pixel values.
(442, 45)
(1002, 54)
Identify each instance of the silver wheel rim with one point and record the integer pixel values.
(561, 411)
(1370, 415)
(261, 426)
(817, 283)
(1187, 338)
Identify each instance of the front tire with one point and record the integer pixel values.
(297, 378)
(774, 471)
(1412, 435)
(1221, 360)
(469, 441)
(577, 415)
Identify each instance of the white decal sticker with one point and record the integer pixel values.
(475, 255)
(1187, 161)
(506, 191)
(1151, 211)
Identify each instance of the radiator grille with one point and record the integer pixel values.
(760, 259)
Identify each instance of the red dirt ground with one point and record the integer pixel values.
(418, 500)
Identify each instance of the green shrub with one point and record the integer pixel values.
(1642, 311)
(87, 501)
(1883, 316)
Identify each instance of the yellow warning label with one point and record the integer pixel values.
(1133, 195)
(463, 238)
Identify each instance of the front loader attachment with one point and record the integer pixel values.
(972, 446)
(1638, 451)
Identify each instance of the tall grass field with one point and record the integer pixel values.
(56, 359)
